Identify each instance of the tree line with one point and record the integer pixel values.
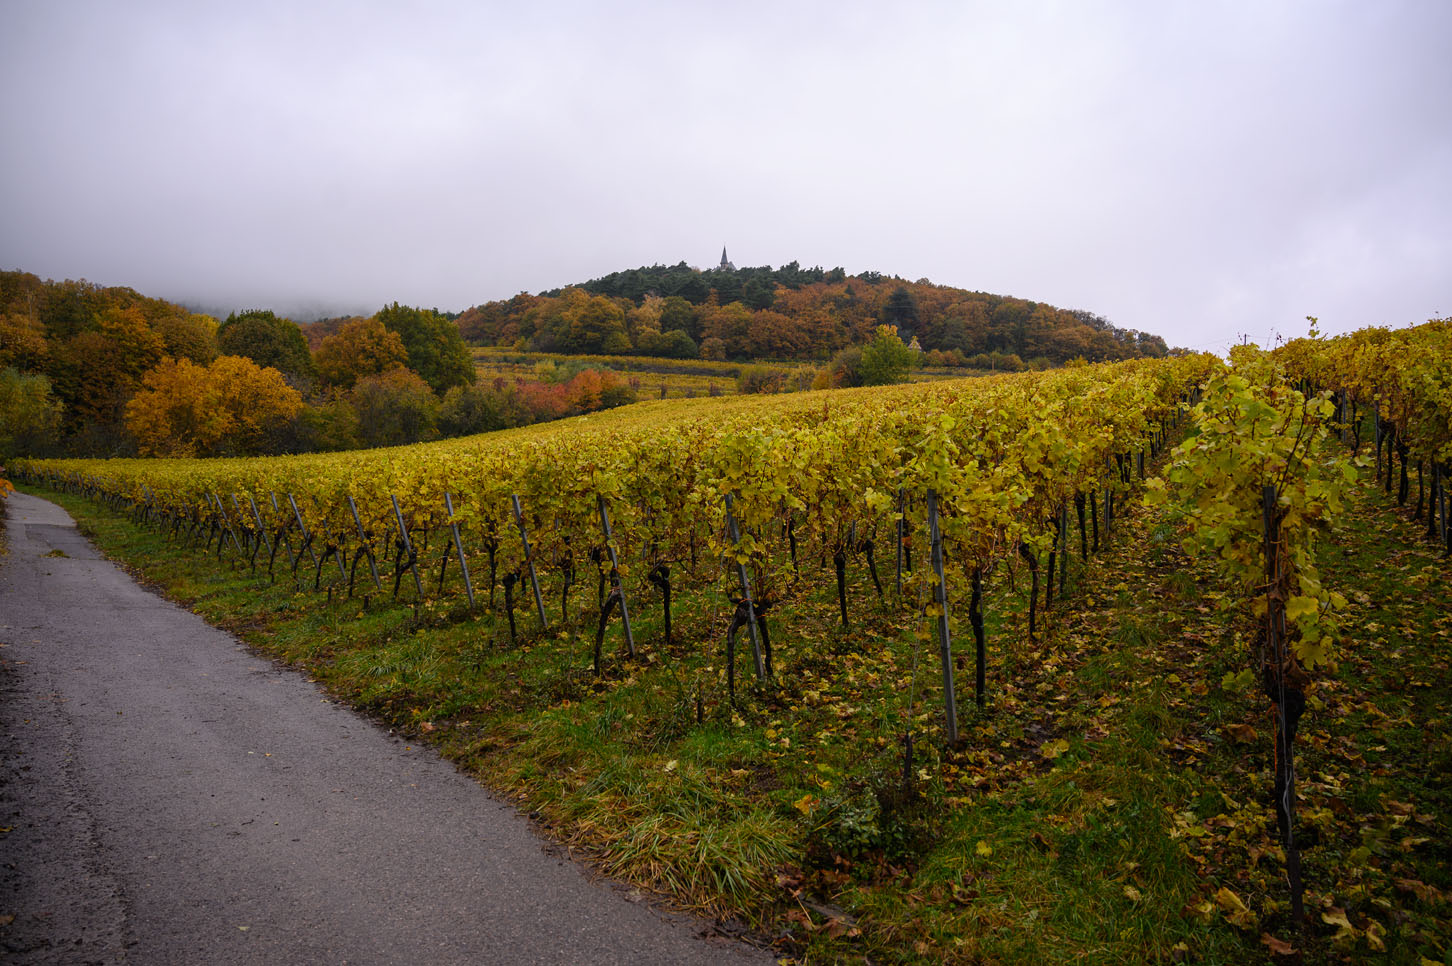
(793, 313)
(89, 370)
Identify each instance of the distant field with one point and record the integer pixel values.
(654, 377)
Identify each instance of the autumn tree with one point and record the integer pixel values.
(642, 323)
(362, 347)
(436, 350)
(731, 324)
(774, 335)
(269, 341)
(186, 335)
(232, 407)
(593, 323)
(22, 342)
(95, 371)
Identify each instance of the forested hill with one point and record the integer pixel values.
(790, 313)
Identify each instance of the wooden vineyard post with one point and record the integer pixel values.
(734, 532)
(365, 549)
(544, 622)
(945, 638)
(615, 574)
(406, 546)
(459, 546)
(1286, 717)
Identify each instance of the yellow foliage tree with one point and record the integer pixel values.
(230, 407)
(362, 347)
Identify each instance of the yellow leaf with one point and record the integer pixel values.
(1299, 606)
(984, 848)
(1337, 917)
(805, 804)
(1236, 912)
(1055, 748)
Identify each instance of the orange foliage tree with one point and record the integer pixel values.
(231, 407)
(362, 347)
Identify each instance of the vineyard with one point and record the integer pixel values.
(671, 378)
(718, 643)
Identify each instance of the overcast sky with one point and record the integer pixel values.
(1194, 169)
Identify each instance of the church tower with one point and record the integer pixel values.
(725, 265)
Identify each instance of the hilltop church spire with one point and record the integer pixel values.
(725, 265)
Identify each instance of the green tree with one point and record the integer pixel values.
(436, 350)
(394, 408)
(674, 344)
(29, 413)
(467, 410)
(677, 313)
(885, 360)
(269, 341)
(324, 426)
(759, 292)
(900, 310)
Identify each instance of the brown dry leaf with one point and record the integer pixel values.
(1277, 946)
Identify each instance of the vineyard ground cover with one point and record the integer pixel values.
(679, 377)
(1105, 807)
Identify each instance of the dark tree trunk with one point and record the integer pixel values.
(1083, 537)
(660, 575)
(867, 548)
(1053, 560)
(1402, 450)
(839, 559)
(605, 609)
(1032, 558)
(510, 579)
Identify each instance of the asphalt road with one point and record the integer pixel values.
(166, 796)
